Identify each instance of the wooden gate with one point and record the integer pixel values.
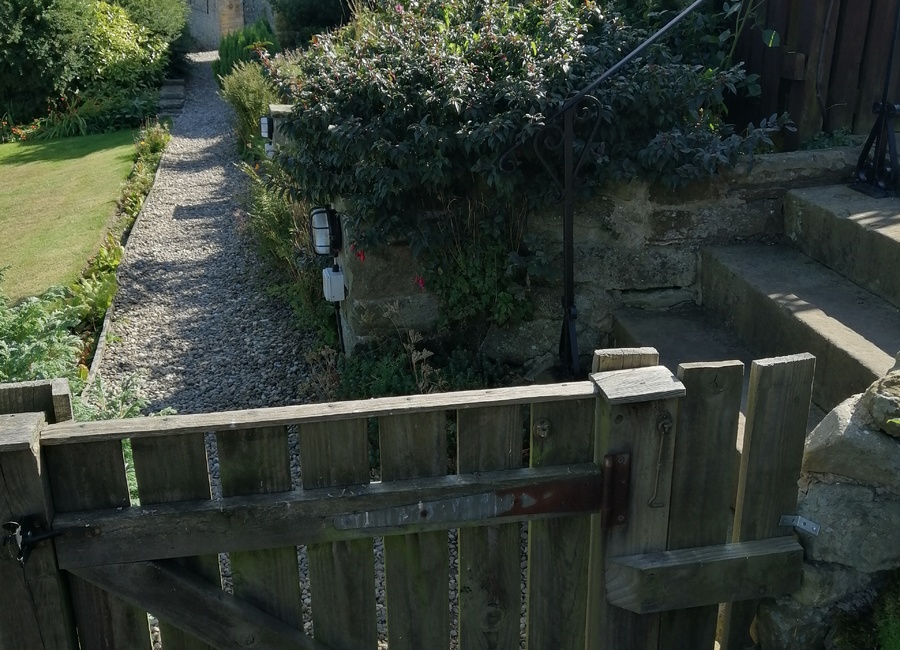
(626, 496)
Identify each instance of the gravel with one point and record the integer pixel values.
(192, 316)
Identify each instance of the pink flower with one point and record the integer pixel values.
(399, 8)
(419, 280)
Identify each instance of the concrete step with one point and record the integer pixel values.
(686, 334)
(779, 301)
(852, 233)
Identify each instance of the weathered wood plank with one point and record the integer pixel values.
(38, 614)
(61, 397)
(416, 566)
(623, 359)
(558, 550)
(777, 12)
(774, 435)
(67, 433)
(174, 469)
(92, 476)
(197, 607)
(647, 431)
(342, 574)
(882, 16)
(704, 472)
(326, 515)
(626, 358)
(638, 385)
(704, 576)
(489, 573)
(257, 461)
(848, 53)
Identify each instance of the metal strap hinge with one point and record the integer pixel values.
(799, 523)
(616, 482)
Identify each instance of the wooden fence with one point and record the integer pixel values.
(829, 67)
(627, 496)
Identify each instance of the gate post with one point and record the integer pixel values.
(37, 612)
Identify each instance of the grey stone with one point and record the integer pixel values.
(882, 402)
(844, 444)
(896, 363)
(786, 624)
(858, 523)
(825, 584)
(517, 344)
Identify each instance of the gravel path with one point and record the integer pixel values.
(192, 315)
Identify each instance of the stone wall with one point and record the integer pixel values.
(851, 488)
(209, 20)
(256, 9)
(635, 245)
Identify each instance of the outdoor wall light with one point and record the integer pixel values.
(266, 126)
(325, 231)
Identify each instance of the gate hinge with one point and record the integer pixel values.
(799, 523)
(22, 537)
(616, 482)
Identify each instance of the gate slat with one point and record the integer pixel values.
(633, 428)
(84, 477)
(342, 574)
(257, 461)
(490, 599)
(558, 549)
(416, 566)
(775, 432)
(173, 468)
(874, 64)
(704, 468)
(848, 53)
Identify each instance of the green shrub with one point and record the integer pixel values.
(164, 18)
(249, 91)
(40, 53)
(238, 46)
(302, 19)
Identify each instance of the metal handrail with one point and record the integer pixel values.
(568, 342)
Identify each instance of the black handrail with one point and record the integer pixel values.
(548, 137)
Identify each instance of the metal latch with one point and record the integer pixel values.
(616, 482)
(22, 537)
(799, 523)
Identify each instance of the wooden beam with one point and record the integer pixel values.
(68, 433)
(189, 528)
(195, 606)
(694, 577)
(623, 359)
(638, 385)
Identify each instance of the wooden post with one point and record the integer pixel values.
(50, 396)
(36, 614)
(636, 415)
(341, 574)
(780, 390)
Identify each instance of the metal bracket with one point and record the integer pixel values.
(23, 537)
(799, 523)
(616, 482)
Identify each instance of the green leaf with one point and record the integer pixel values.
(771, 38)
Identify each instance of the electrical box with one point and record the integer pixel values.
(333, 284)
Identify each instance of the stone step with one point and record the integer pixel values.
(850, 232)
(779, 301)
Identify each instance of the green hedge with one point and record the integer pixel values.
(238, 46)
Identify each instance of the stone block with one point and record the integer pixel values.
(858, 526)
(882, 403)
(786, 624)
(824, 584)
(844, 444)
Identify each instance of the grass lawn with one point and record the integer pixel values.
(56, 199)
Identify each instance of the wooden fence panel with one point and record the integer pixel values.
(843, 89)
(174, 468)
(774, 435)
(874, 63)
(88, 476)
(646, 430)
(416, 566)
(558, 549)
(257, 461)
(490, 591)
(704, 469)
(342, 574)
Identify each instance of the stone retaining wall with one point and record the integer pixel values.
(635, 245)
